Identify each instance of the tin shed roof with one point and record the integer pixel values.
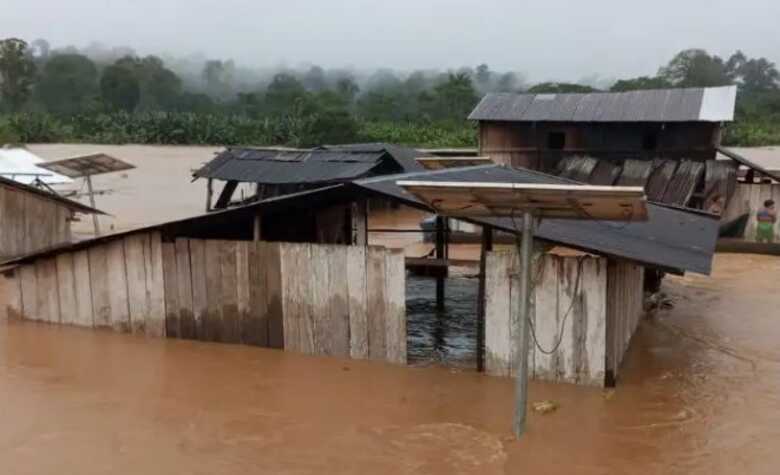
(712, 104)
(671, 238)
(324, 165)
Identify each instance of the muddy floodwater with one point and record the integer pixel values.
(699, 394)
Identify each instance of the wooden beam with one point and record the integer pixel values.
(487, 246)
(440, 254)
(209, 193)
(227, 193)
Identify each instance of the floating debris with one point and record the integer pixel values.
(545, 407)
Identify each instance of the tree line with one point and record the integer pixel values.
(116, 96)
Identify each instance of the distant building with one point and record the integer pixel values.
(537, 130)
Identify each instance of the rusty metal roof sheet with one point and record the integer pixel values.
(713, 104)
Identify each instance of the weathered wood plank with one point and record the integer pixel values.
(171, 285)
(137, 292)
(338, 302)
(498, 324)
(98, 275)
(294, 259)
(231, 332)
(356, 289)
(29, 291)
(212, 325)
(200, 303)
(48, 294)
(83, 282)
(67, 288)
(546, 317)
(319, 339)
(155, 320)
(11, 283)
(395, 318)
(594, 288)
(274, 294)
(184, 282)
(377, 303)
(117, 281)
(242, 285)
(254, 327)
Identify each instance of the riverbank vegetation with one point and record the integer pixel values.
(102, 95)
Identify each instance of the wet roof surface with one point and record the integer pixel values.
(714, 104)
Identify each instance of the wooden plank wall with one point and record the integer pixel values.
(117, 285)
(569, 317)
(29, 223)
(346, 301)
(625, 307)
(749, 199)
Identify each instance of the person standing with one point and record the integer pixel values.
(766, 217)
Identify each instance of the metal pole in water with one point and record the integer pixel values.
(522, 330)
(92, 203)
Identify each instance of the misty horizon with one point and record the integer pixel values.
(594, 43)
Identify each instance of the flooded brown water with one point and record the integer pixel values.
(699, 395)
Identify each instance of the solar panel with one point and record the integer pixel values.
(479, 199)
(87, 165)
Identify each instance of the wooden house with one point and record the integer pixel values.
(32, 219)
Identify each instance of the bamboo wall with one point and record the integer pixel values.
(749, 198)
(568, 308)
(29, 223)
(625, 307)
(346, 301)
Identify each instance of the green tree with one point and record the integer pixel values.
(68, 82)
(644, 82)
(120, 87)
(754, 74)
(160, 87)
(560, 88)
(284, 91)
(17, 73)
(696, 68)
(455, 98)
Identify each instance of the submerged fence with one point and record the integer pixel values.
(586, 310)
(346, 301)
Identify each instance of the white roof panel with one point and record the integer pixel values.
(19, 164)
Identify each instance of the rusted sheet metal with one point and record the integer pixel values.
(661, 174)
(605, 173)
(577, 168)
(683, 183)
(635, 173)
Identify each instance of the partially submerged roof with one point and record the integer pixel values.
(19, 164)
(712, 104)
(319, 166)
(73, 205)
(671, 238)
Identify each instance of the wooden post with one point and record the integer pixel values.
(522, 329)
(95, 222)
(440, 254)
(209, 193)
(257, 231)
(487, 245)
(359, 222)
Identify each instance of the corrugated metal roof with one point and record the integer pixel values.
(672, 238)
(714, 104)
(74, 205)
(324, 165)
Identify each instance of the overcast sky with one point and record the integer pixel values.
(548, 39)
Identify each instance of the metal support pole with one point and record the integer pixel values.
(522, 330)
(440, 254)
(92, 203)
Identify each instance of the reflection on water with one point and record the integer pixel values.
(447, 337)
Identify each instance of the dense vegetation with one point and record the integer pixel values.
(113, 96)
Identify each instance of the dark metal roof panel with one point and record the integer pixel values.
(288, 167)
(663, 105)
(671, 238)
